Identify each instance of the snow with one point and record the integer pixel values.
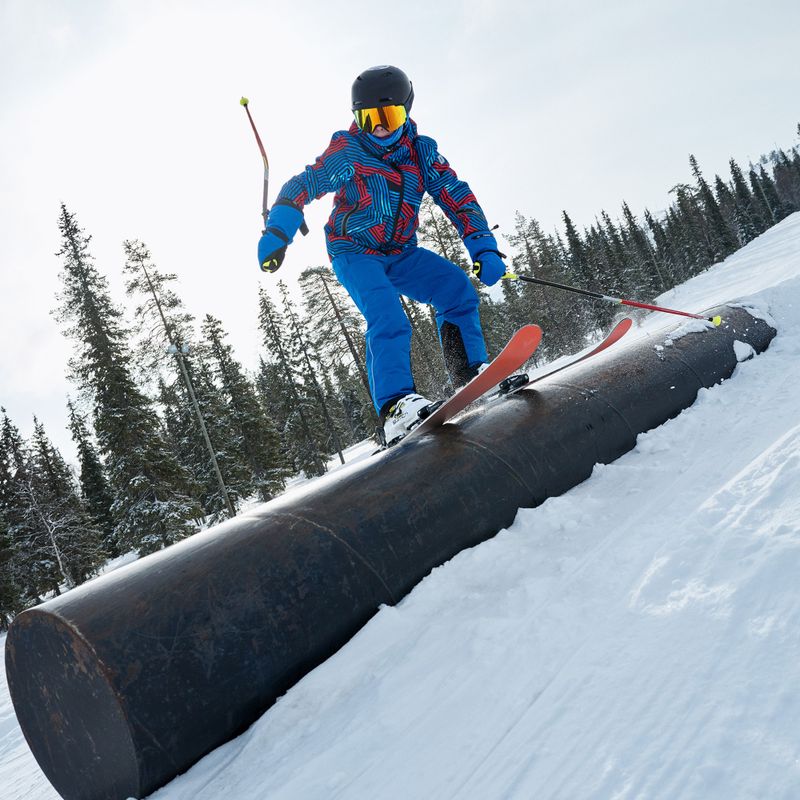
(636, 637)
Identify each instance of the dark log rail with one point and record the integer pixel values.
(123, 683)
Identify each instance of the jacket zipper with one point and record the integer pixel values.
(402, 188)
(399, 206)
(347, 217)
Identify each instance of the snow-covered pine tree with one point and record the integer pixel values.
(787, 182)
(336, 333)
(749, 222)
(437, 233)
(33, 573)
(310, 366)
(600, 256)
(527, 303)
(663, 250)
(727, 207)
(616, 248)
(151, 507)
(10, 595)
(182, 430)
(352, 398)
(721, 238)
(337, 328)
(652, 280)
(259, 446)
(687, 227)
(773, 199)
(11, 590)
(796, 162)
(284, 394)
(765, 200)
(58, 524)
(581, 272)
(93, 482)
(160, 316)
(579, 264)
(165, 347)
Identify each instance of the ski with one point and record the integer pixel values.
(616, 333)
(519, 349)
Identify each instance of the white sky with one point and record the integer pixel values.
(129, 113)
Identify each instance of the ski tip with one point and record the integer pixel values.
(244, 101)
(717, 321)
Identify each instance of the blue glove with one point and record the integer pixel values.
(486, 259)
(282, 224)
(488, 267)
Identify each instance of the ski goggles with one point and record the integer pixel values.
(391, 117)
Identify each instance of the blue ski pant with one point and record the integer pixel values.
(376, 282)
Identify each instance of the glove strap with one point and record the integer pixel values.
(279, 233)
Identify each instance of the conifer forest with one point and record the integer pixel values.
(173, 432)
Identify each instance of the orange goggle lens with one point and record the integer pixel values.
(391, 117)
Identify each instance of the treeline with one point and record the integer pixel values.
(173, 432)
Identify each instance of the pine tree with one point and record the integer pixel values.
(59, 530)
(151, 507)
(187, 442)
(749, 222)
(787, 182)
(284, 395)
(352, 398)
(94, 484)
(335, 322)
(686, 227)
(727, 207)
(663, 249)
(580, 272)
(765, 202)
(437, 232)
(651, 279)
(260, 448)
(11, 590)
(336, 333)
(617, 256)
(10, 595)
(32, 575)
(310, 365)
(526, 303)
(578, 257)
(722, 239)
(160, 317)
(167, 334)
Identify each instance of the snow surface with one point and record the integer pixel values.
(638, 637)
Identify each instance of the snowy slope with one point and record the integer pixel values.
(638, 637)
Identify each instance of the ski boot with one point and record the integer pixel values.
(403, 415)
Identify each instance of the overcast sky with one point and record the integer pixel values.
(129, 113)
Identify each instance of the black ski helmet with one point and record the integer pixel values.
(382, 86)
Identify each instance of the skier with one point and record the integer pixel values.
(379, 170)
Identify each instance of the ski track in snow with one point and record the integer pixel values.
(636, 637)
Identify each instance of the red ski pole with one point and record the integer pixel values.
(264, 200)
(717, 320)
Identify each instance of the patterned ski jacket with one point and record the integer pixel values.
(379, 191)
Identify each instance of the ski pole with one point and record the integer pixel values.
(717, 320)
(264, 201)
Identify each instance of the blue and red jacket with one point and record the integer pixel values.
(379, 191)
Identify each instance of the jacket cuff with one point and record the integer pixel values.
(285, 219)
(477, 243)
